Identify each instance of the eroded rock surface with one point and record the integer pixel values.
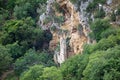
(74, 27)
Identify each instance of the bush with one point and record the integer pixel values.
(92, 6)
(72, 68)
(59, 19)
(27, 8)
(5, 59)
(103, 65)
(32, 58)
(104, 44)
(15, 50)
(100, 13)
(97, 27)
(11, 76)
(51, 73)
(4, 15)
(25, 33)
(39, 72)
(58, 8)
(33, 73)
(110, 31)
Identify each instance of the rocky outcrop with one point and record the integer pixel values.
(74, 27)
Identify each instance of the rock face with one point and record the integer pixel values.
(61, 55)
(72, 24)
(72, 34)
(109, 2)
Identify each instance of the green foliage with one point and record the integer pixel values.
(74, 1)
(110, 31)
(72, 69)
(11, 76)
(97, 27)
(100, 13)
(25, 8)
(16, 30)
(51, 73)
(88, 48)
(103, 44)
(110, 42)
(19, 33)
(56, 19)
(92, 6)
(57, 47)
(21, 12)
(53, 28)
(99, 61)
(113, 16)
(15, 50)
(39, 72)
(118, 11)
(33, 73)
(102, 63)
(31, 58)
(24, 32)
(9, 4)
(5, 58)
(47, 36)
(2, 3)
(4, 15)
(59, 19)
(47, 20)
(58, 8)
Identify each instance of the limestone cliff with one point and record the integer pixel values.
(69, 25)
(71, 28)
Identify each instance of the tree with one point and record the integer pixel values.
(5, 58)
(109, 32)
(31, 58)
(4, 15)
(92, 6)
(39, 72)
(15, 50)
(24, 32)
(97, 27)
(27, 8)
(101, 65)
(51, 73)
(73, 68)
(33, 73)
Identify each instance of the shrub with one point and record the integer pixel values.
(100, 13)
(32, 58)
(73, 68)
(97, 27)
(92, 6)
(103, 65)
(5, 59)
(33, 73)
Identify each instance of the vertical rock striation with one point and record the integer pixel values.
(72, 34)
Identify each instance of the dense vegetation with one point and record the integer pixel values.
(22, 46)
(21, 40)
